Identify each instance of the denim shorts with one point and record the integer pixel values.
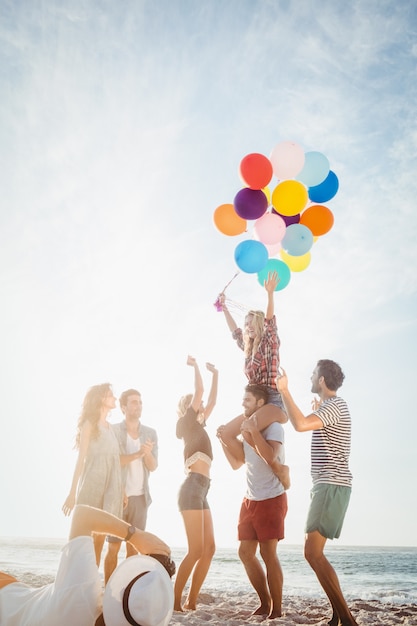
(274, 397)
(192, 495)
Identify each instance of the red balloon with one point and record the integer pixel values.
(255, 170)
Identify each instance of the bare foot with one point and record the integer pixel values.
(274, 614)
(190, 607)
(262, 610)
(178, 608)
(334, 621)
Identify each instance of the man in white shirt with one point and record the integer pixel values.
(138, 457)
(264, 507)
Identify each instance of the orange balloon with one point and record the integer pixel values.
(227, 221)
(289, 197)
(318, 218)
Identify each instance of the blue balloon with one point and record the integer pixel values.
(298, 240)
(281, 268)
(326, 190)
(251, 256)
(315, 170)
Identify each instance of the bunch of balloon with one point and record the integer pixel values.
(286, 221)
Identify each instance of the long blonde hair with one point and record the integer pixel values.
(251, 344)
(91, 410)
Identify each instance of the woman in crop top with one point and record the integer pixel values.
(192, 497)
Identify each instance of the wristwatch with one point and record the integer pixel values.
(130, 532)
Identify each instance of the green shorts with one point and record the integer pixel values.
(327, 510)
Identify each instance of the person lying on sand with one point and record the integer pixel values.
(139, 590)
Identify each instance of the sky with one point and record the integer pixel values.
(122, 127)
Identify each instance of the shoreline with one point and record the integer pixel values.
(226, 609)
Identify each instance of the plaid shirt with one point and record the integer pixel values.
(262, 367)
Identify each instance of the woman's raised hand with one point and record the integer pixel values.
(191, 361)
(211, 368)
(221, 298)
(271, 282)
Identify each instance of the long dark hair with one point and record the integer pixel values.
(91, 409)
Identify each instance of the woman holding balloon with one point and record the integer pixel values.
(260, 343)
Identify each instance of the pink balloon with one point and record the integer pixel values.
(273, 249)
(287, 159)
(270, 228)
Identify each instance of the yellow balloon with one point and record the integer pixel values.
(267, 192)
(296, 263)
(289, 197)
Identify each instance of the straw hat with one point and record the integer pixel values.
(138, 593)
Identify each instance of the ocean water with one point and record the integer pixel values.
(367, 573)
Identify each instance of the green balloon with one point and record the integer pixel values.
(281, 268)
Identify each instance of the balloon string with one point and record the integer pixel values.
(218, 304)
(230, 281)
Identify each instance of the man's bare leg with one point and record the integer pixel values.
(313, 552)
(274, 575)
(255, 572)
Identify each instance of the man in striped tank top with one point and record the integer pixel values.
(332, 480)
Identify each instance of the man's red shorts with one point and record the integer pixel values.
(262, 520)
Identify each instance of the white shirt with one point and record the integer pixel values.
(74, 599)
(134, 478)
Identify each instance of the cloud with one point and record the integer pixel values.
(123, 130)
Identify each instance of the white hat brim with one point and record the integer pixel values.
(129, 569)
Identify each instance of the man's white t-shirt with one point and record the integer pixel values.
(74, 599)
(261, 482)
(134, 477)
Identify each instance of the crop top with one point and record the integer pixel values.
(194, 435)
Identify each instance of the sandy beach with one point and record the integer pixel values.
(227, 610)
(223, 608)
